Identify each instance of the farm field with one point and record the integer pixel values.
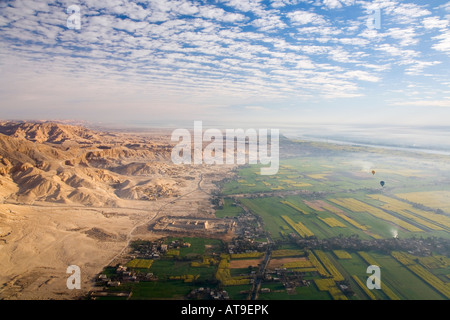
(432, 199)
(328, 219)
(344, 205)
(341, 198)
(228, 210)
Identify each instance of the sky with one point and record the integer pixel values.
(276, 62)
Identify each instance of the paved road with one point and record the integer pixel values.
(260, 275)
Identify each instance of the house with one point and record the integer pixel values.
(121, 268)
(113, 283)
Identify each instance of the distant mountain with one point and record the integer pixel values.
(48, 132)
(72, 164)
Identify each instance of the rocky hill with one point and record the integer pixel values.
(72, 164)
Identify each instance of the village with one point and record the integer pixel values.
(414, 246)
(249, 238)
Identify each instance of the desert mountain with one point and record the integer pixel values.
(72, 164)
(49, 132)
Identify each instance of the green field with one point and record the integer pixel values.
(228, 210)
(337, 178)
(140, 263)
(279, 292)
(199, 246)
(171, 289)
(325, 196)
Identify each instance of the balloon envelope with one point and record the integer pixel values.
(382, 183)
(373, 171)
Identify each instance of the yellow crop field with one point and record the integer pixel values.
(225, 256)
(337, 276)
(330, 286)
(421, 272)
(301, 184)
(298, 264)
(391, 295)
(287, 253)
(438, 218)
(351, 221)
(186, 277)
(332, 222)
(140, 263)
(324, 284)
(293, 206)
(307, 269)
(368, 258)
(288, 181)
(402, 208)
(364, 288)
(206, 262)
(374, 235)
(342, 254)
(316, 263)
(173, 252)
(247, 255)
(432, 199)
(358, 206)
(299, 227)
(320, 205)
(434, 262)
(224, 276)
(318, 176)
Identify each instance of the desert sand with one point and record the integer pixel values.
(73, 196)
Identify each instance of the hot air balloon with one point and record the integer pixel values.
(373, 171)
(382, 183)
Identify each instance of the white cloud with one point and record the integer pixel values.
(417, 67)
(397, 52)
(245, 5)
(361, 75)
(444, 42)
(283, 3)
(336, 4)
(301, 17)
(219, 14)
(239, 49)
(269, 23)
(434, 23)
(406, 13)
(406, 36)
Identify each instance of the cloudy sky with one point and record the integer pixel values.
(275, 61)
